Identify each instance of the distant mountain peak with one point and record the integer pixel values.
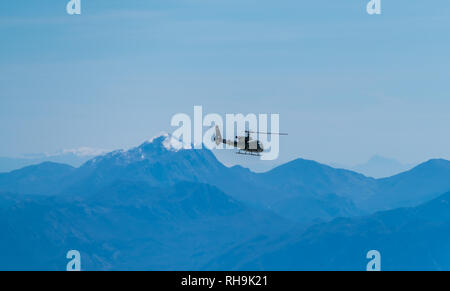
(158, 138)
(82, 152)
(46, 166)
(379, 158)
(163, 141)
(380, 167)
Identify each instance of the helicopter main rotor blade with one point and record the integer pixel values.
(259, 132)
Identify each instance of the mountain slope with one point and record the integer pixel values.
(160, 207)
(74, 158)
(127, 226)
(408, 239)
(44, 179)
(312, 177)
(411, 188)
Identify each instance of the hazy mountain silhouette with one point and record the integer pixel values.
(322, 192)
(157, 206)
(422, 183)
(127, 225)
(44, 179)
(74, 158)
(381, 167)
(407, 238)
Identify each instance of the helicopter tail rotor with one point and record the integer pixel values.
(218, 137)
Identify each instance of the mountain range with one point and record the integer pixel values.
(158, 207)
(73, 157)
(409, 239)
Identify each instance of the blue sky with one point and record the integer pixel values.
(347, 85)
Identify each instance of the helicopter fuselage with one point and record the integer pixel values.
(246, 144)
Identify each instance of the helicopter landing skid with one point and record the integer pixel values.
(248, 153)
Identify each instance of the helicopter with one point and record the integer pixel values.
(245, 144)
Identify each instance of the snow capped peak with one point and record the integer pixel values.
(158, 138)
(172, 144)
(159, 147)
(167, 141)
